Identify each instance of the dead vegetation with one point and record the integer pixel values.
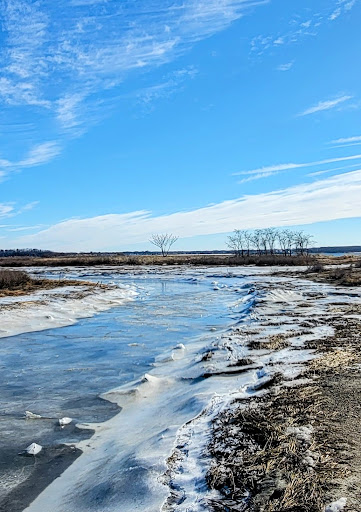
(334, 361)
(16, 283)
(298, 448)
(266, 458)
(274, 342)
(344, 276)
(89, 260)
(12, 279)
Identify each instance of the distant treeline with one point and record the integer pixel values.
(338, 248)
(38, 253)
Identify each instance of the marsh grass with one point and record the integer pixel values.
(155, 259)
(261, 460)
(17, 282)
(13, 279)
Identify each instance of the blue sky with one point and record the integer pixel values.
(122, 118)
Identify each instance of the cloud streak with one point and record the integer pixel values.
(347, 140)
(39, 154)
(337, 197)
(325, 105)
(270, 170)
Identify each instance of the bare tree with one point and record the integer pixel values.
(236, 242)
(271, 235)
(163, 241)
(263, 240)
(290, 240)
(247, 241)
(257, 240)
(302, 242)
(283, 241)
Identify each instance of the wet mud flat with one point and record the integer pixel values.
(297, 446)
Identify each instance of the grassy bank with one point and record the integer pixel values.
(17, 282)
(344, 276)
(176, 259)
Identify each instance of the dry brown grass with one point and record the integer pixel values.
(261, 451)
(17, 283)
(154, 259)
(13, 279)
(334, 360)
(274, 342)
(344, 276)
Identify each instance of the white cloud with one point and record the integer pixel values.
(23, 228)
(29, 206)
(337, 197)
(6, 210)
(38, 155)
(336, 13)
(279, 41)
(325, 105)
(319, 173)
(347, 140)
(285, 67)
(59, 56)
(348, 4)
(275, 169)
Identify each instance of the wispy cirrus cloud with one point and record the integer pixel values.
(334, 169)
(337, 197)
(8, 210)
(270, 170)
(39, 154)
(63, 60)
(85, 47)
(325, 105)
(346, 140)
(303, 24)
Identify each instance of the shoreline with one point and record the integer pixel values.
(297, 447)
(299, 374)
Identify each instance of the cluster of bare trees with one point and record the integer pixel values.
(269, 241)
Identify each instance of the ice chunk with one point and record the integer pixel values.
(31, 416)
(33, 449)
(65, 421)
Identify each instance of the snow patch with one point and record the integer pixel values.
(336, 506)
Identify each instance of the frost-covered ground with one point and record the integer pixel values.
(189, 329)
